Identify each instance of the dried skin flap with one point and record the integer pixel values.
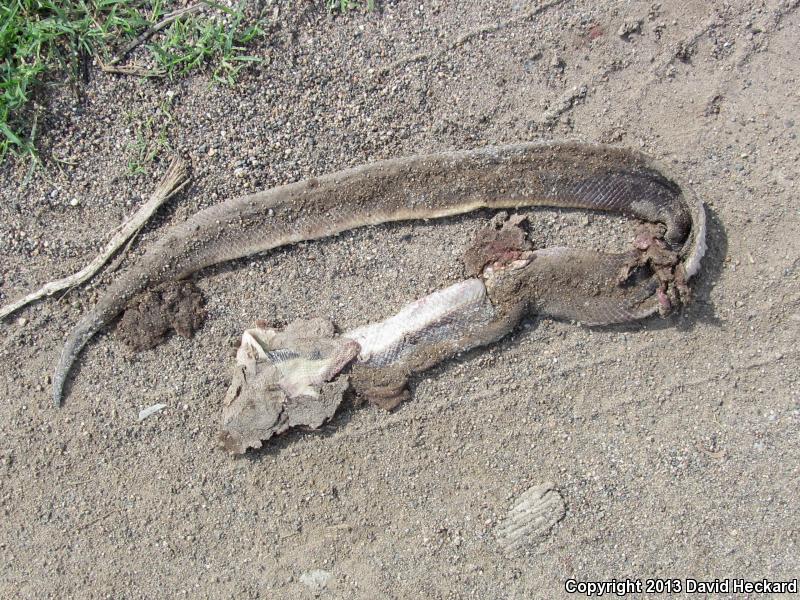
(282, 379)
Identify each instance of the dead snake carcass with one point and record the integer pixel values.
(589, 287)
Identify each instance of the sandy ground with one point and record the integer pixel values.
(674, 443)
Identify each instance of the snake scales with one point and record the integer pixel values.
(574, 284)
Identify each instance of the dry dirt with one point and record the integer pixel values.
(674, 444)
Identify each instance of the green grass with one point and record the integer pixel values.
(189, 43)
(345, 5)
(150, 136)
(50, 42)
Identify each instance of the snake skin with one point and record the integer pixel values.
(557, 174)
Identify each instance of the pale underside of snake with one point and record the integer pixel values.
(580, 285)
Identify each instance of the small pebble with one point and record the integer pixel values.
(628, 28)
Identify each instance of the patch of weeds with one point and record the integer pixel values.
(343, 6)
(189, 43)
(42, 39)
(150, 137)
(49, 42)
